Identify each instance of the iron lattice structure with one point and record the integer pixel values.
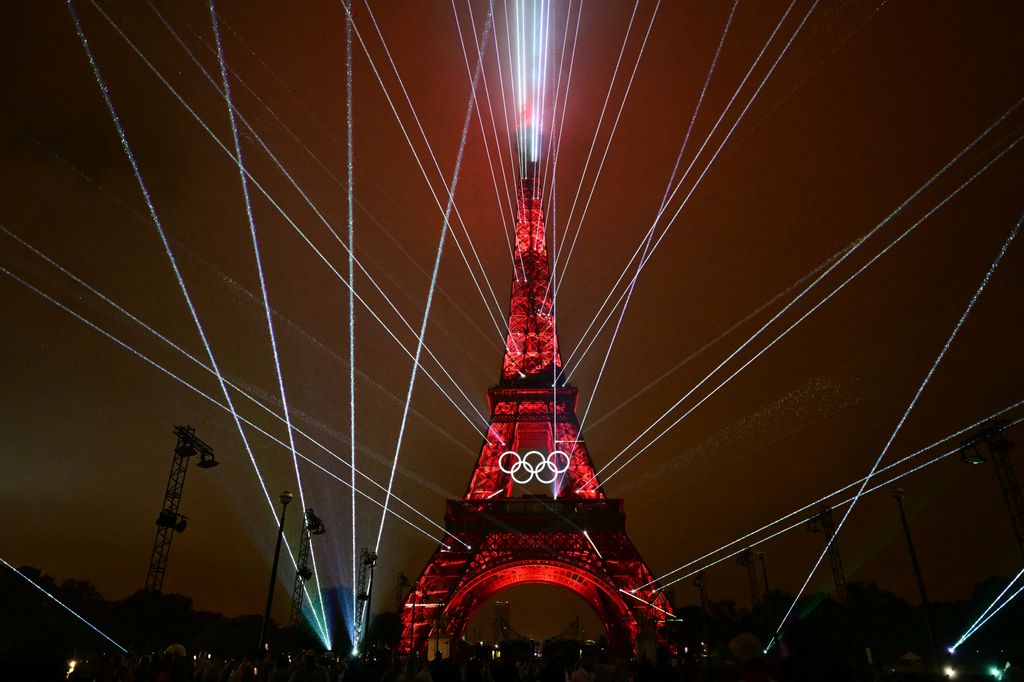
(571, 536)
(998, 447)
(312, 526)
(746, 560)
(170, 519)
(824, 522)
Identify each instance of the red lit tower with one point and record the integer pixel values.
(570, 535)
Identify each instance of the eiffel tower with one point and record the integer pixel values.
(571, 535)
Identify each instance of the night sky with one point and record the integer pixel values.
(869, 102)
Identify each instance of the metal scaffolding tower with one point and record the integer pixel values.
(170, 520)
(364, 591)
(823, 522)
(313, 526)
(997, 446)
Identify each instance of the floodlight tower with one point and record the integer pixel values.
(823, 522)
(365, 590)
(313, 526)
(998, 448)
(170, 520)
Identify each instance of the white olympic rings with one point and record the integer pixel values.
(533, 465)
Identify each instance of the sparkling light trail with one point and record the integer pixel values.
(64, 606)
(597, 130)
(735, 325)
(104, 91)
(906, 414)
(124, 345)
(548, 165)
(832, 267)
(696, 109)
(803, 521)
(503, 211)
(811, 505)
(707, 139)
(437, 166)
(807, 314)
(437, 268)
(351, 298)
(222, 62)
(988, 612)
(664, 200)
(607, 147)
(297, 139)
(292, 222)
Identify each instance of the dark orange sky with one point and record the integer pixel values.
(869, 102)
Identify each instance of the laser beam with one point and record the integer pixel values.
(255, 183)
(141, 323)
(124, 345)
(64, 606)
(811, 505)
(906, 414)
(437, 268)
(803, 521)
(222, 62)
(988, 612)
(832, 267)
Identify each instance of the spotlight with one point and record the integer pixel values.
(305, 573)
(169, 519)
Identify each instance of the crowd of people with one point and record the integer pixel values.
(466, 664)
(175, 665)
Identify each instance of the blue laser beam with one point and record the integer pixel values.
(988, 612)
(931, 371)
(226, 82)
(64, 606)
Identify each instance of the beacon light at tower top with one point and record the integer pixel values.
(532, 26)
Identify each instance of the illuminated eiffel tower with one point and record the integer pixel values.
(571, 535)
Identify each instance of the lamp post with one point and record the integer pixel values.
(898, 494)
(284, 498)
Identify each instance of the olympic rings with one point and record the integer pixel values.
(535, 464)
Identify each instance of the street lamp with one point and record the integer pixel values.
(284, 498)
(898, 494)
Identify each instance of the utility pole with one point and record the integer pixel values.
(992, 440)
(313, 526)
(764, 571)
(824, 523)
(898, 494)
(170, 520)
(284, 498)
(700, 583)
(403, 583)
